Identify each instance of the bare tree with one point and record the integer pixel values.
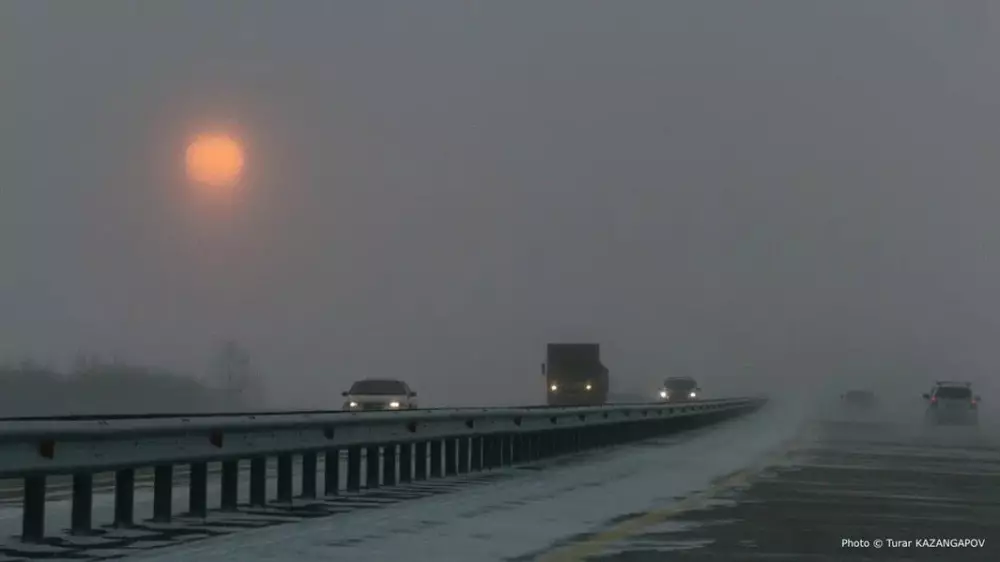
(233, 372)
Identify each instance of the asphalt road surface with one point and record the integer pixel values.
(852, 491)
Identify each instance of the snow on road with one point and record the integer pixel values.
(529, 513)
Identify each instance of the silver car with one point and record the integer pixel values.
(679, 389)
(379, 394)
(951, 403)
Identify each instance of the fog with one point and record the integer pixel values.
(763, 195)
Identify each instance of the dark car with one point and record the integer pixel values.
(680, 389)
(859, 399)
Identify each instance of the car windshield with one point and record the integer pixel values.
(681, 385)
(378, 387)
(954, 392)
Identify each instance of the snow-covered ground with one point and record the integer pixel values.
(528, 513)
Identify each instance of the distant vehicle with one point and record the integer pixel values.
(951, 403)
(574, 375)
(859, 399)
(379, 394)
(679, 389)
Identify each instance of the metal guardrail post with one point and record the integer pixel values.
(450, 457)
(389, 465)
(477, 452)
(285, 478)
(354, 468)
(463, 455)
(309, 475)
(495, 449)
(258, 481)
(83, 503)
(163, 487)
(405, 462)
(372, 467)
(487, 452)
(125, 497)
(489, 445)
(331, 473)
(198, 490)
(507, 442)
(230, 485)
(498, 453)
(531, 444)
(573, 435)
(420, 461)
(33, 514)
(436, 471)
(527, 442)
(497, 446)
(515, 449)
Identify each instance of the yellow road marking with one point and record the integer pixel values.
(596, 543)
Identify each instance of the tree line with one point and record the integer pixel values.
(95, 385)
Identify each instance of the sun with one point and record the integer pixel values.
(215, 160)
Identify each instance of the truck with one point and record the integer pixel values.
(574, 375)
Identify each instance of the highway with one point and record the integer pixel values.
(776, 486)
(853, 491)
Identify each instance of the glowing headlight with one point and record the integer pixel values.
(663, 394)
(693, 394)
(588, 386)
(353, 405)
(393, 404)
(554, 388)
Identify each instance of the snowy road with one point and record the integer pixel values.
(498, 515)
(862, 482)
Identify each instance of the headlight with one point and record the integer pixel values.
(393, 404)
(693, 394)
(554, 388)
(352, 404)
(588, 386)
(663, 394)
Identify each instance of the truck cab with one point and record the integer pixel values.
(574, 375)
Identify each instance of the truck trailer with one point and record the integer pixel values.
(574, 375)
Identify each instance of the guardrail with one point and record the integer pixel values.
(459, 441)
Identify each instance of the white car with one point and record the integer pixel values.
(951, 403)
(379, 394)
(679, 389)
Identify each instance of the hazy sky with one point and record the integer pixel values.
(436, 189)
